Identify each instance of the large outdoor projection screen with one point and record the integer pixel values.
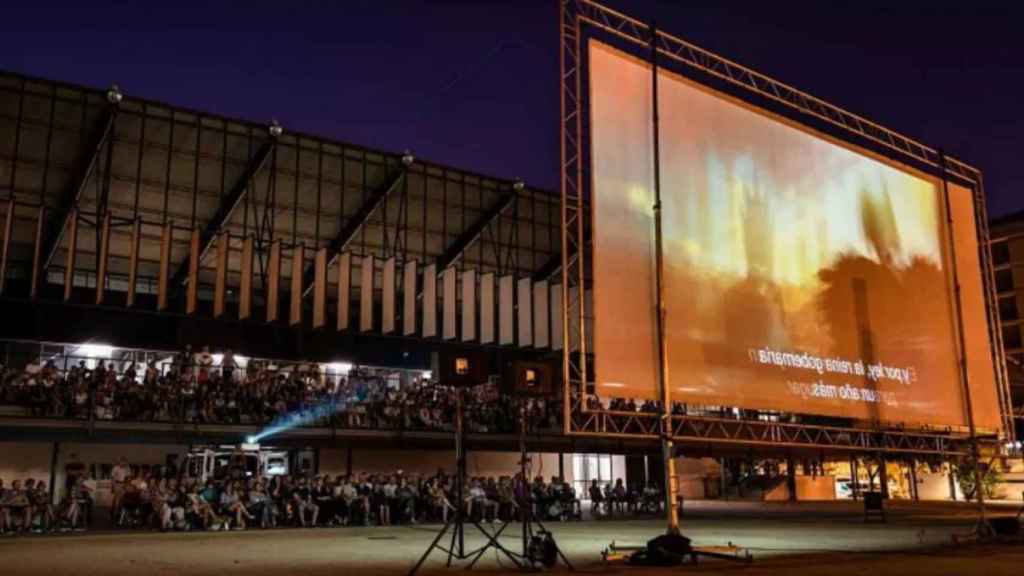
(801, 275)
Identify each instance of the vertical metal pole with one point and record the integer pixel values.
(133, 260)
(37, 248)
(791, 478)
(195, 168)
(964, 380)
(722, 479)
(6, 245)
(138, 164)
(319, 191)
(854, 476)
(49, 145)
(527, 507)
(295, 198)
(167, 172)
(54, 455)
(883, 475)
(17, 138)
(460, 472)
(667, 445)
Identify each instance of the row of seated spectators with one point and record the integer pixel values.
(162, 499)
(320, 501)
(193, 389)
(28, 506)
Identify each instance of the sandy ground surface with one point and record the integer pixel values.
(784, 539)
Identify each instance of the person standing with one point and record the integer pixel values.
(228, 366)
(119, 477)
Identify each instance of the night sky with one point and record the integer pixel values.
(475, 84)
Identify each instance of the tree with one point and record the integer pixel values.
(963, 472)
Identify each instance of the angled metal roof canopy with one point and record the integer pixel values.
(98, 137)
(471, 234)
(356, 222)
(229, 204)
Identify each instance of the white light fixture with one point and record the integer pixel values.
(95, 351)
(518, 185)
(408, 158)
(275, 129)
(427, 374)
(114, 95)
(339, 367)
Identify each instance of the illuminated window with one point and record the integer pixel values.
(586, 468)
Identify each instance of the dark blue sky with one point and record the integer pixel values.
(475, 84)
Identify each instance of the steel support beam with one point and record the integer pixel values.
(226, 209)
(58, 222)
(355, 224)
(471, 234)
(550, 268)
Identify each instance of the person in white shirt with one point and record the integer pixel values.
(478, 497)
(204, 360)
(119, 476)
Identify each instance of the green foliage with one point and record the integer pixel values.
(965, 478)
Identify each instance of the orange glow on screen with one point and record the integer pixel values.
(800, 275)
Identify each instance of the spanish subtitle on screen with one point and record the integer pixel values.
(874, 373)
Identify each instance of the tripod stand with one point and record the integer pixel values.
(456, 524)
(529, 535)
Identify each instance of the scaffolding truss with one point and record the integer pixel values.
(580, 18)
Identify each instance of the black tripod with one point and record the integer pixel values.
(535, 536)
(456, 524)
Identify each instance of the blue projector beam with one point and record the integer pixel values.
(301, 417)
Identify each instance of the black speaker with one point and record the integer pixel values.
(533, 379)
(461, 369)
(1005, 525)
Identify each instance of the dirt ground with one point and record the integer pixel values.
(783, 538)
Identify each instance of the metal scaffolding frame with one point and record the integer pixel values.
(578, 19)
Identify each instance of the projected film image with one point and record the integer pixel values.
(800, 275)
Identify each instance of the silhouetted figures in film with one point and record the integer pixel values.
(752, 310)
(879, 308)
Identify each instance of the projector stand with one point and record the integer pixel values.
(526, 505)
(456, 524)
